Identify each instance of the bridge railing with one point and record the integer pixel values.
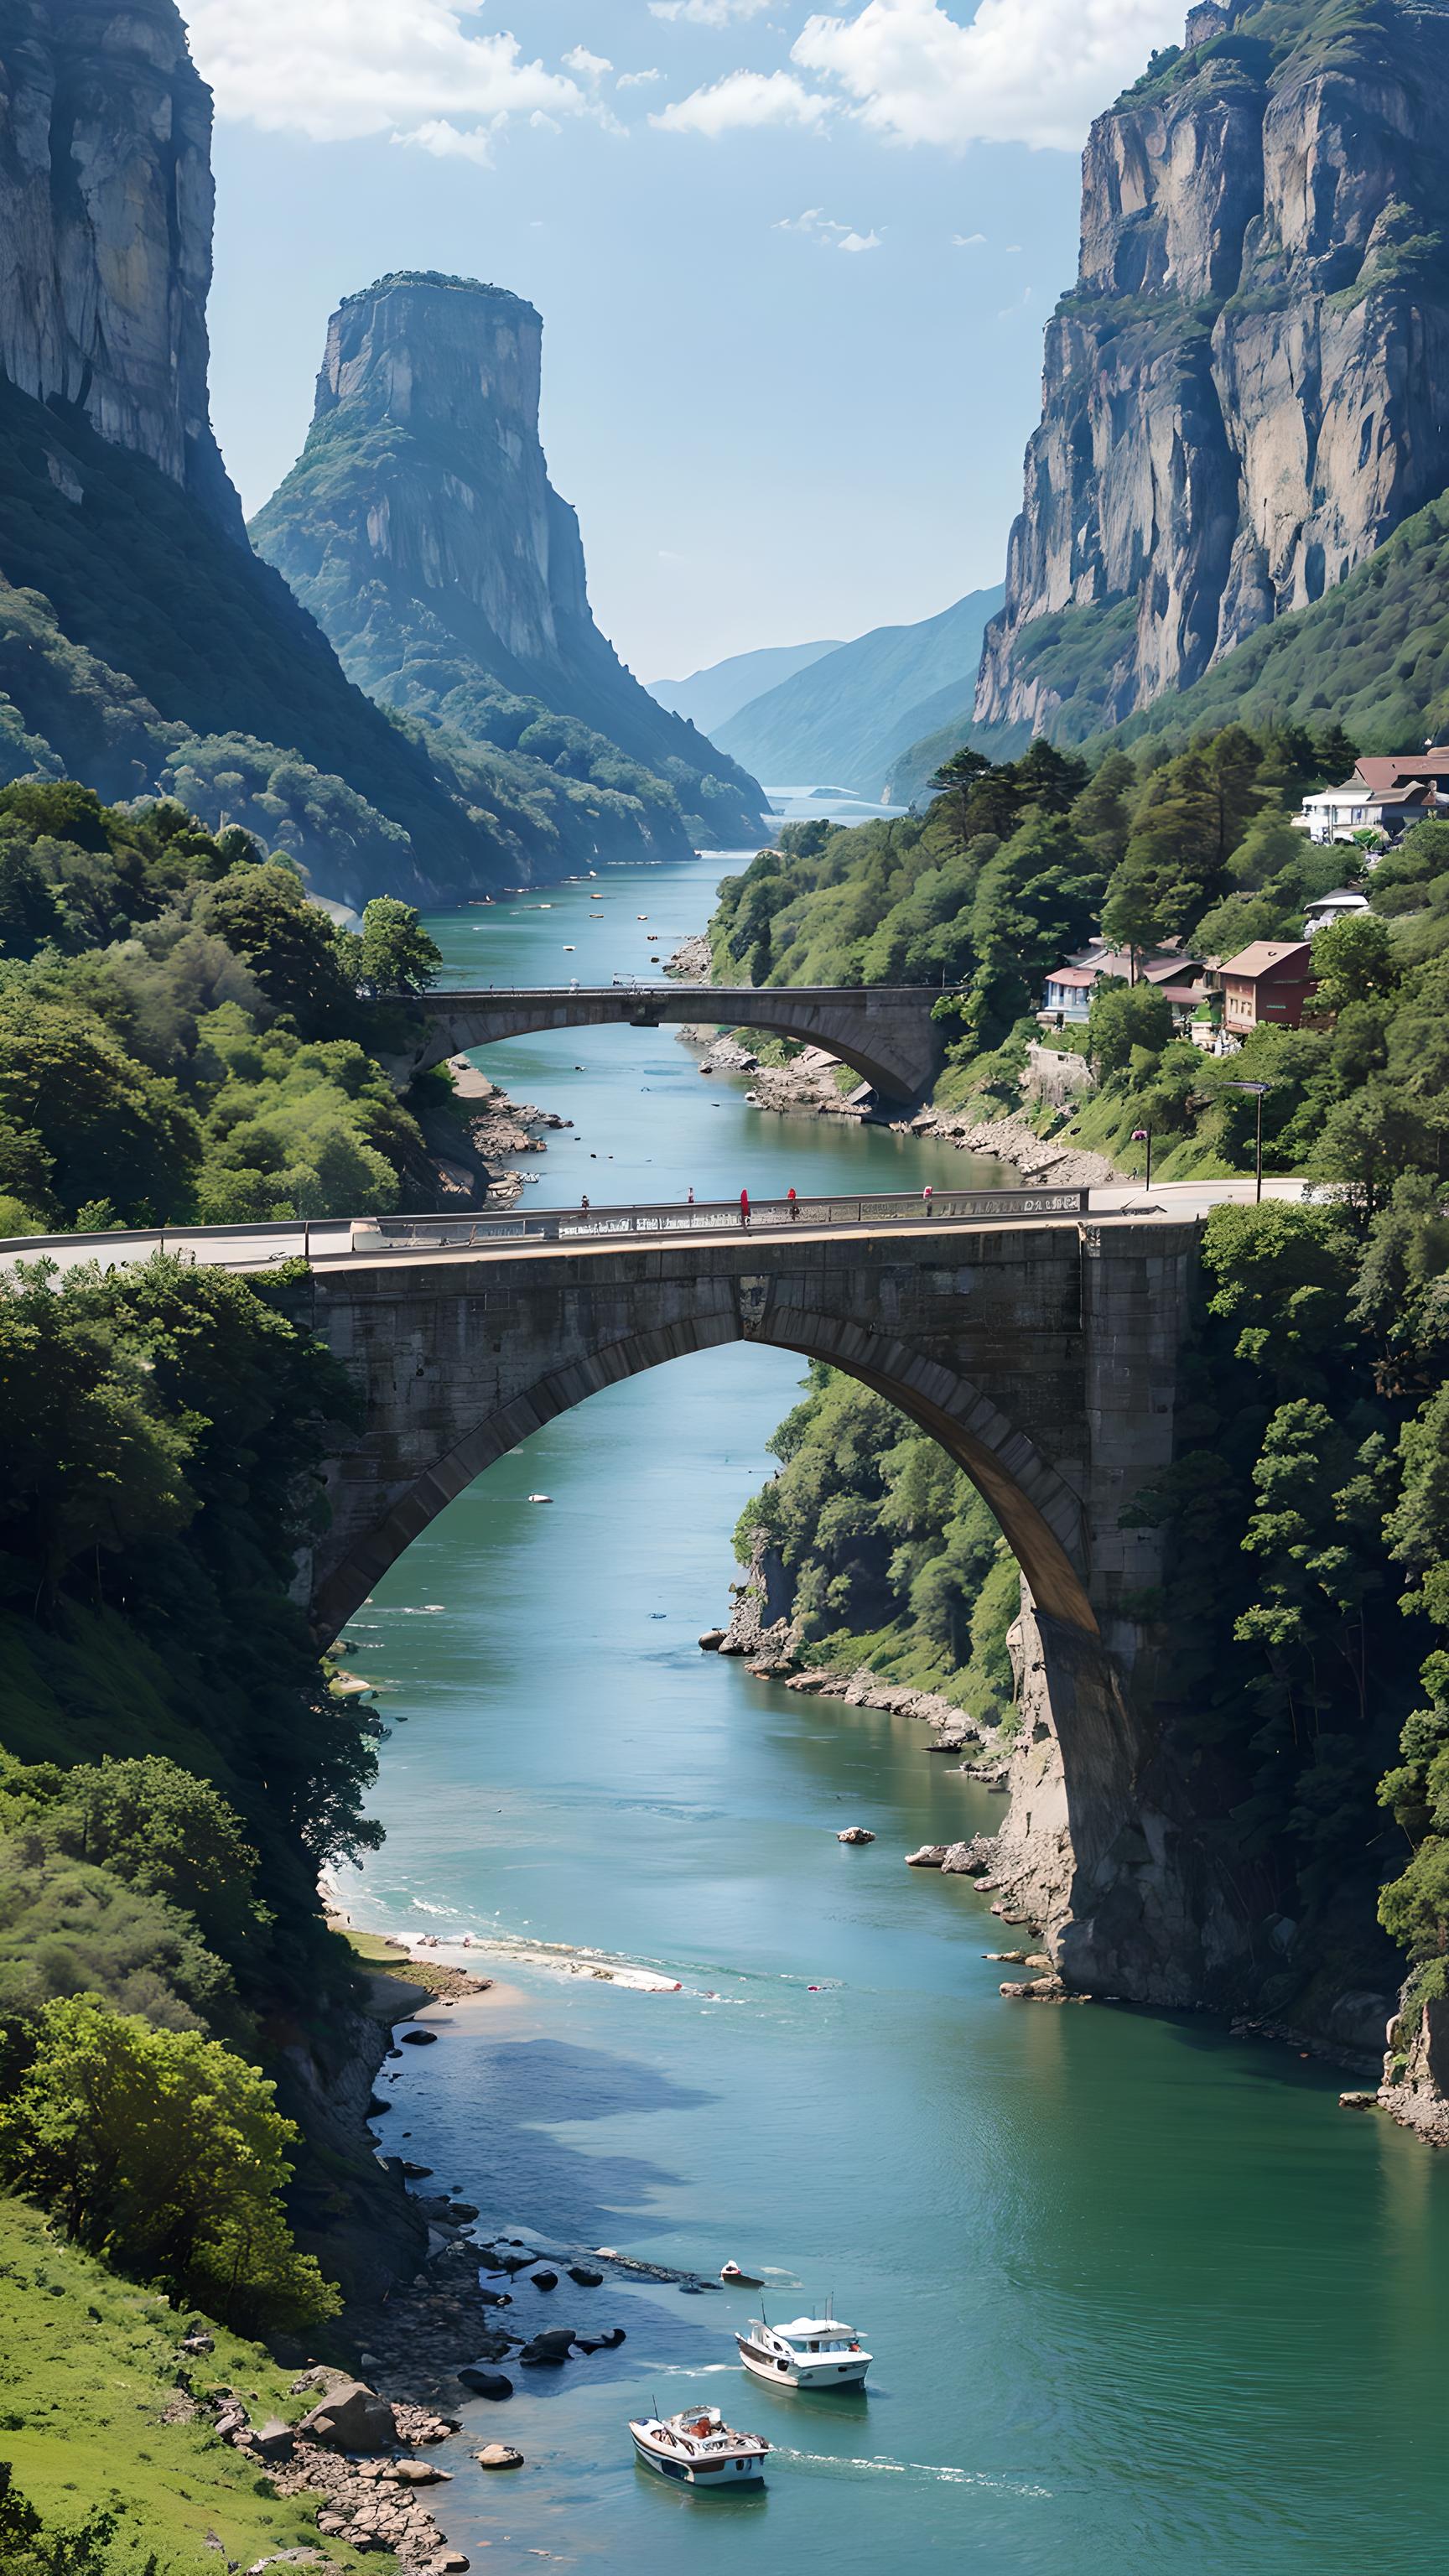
(326, 1239)
(722, 1217)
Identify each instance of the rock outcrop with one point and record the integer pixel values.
(105, 229)
(1246, 390)
(421, 529)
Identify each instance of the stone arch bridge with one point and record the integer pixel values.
(885, 1032)
(1043, 1355)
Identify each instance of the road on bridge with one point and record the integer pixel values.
(342, 1242)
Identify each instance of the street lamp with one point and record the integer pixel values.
(1257, 1089)
(1143, 1136)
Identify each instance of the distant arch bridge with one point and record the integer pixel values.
(884, 1031)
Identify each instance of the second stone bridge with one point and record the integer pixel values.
(886, 1032)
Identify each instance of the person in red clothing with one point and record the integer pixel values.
(792, 1204)
(745, 1209)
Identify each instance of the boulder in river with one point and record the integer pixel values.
(544, 2280)
(586, 2277)
(930, 1856)
(498, 2455)
(417, 2038)
(609, 2342)
(856, 1834)
(712, 1640)
(486, 2383)
(549, 2350)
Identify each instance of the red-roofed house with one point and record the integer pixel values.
(1069, 988)
(1267, 984)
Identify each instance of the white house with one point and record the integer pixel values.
(1327, 908)
(1385, 794)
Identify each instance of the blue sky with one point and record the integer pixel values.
(793, 265)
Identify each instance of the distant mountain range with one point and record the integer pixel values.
(710, 697)
(850, 712)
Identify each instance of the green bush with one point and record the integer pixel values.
(162, 2151)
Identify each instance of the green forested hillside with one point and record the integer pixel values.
(182, 1037)
(180, 1033)
(893, 1558)
(1308, 1512)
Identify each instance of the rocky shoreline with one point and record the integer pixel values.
(1010, 1140)
(471, 1139)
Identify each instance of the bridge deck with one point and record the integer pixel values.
(337, 1243)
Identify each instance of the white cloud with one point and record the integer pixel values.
(967, 241)
(744, 99)
(1022, 71)
(814, 220)
(637, 80)
(337, 69)
(449, 142)
(590, 67)
(823, 228)
(706, 13)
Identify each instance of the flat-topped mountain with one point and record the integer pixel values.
(1248, 388)
(421, 529)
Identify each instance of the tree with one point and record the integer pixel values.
(290, 945)
(90, 1459)
(1353, 961)
(955, 780)
(393, 954)
(1120, 1019)
(162, 1830)
(165, 2153)
(1101, 814)
(1283, 1276)
(107, 1125)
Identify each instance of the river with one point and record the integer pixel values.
(1142, 2298)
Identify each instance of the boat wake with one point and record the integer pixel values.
(883, 2468)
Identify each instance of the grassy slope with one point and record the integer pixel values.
(87, 2367)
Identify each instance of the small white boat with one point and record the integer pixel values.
(540, 1498)
(811, 2352)
(698, 2448)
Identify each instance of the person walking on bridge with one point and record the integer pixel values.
(584, 1204)
(928, 1197)
(745, 1210)
(793, 1204)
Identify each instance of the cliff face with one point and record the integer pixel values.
(421, 529)
(105, 228)
(1246, 392)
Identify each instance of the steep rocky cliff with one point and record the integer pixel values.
(105, 229)
(421, 529)
(1248, 388)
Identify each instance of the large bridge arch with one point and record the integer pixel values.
(1044, 1356)
(1039, 1513)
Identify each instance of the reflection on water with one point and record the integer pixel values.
(1141, 2298)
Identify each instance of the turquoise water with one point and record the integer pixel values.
(1142, 2298)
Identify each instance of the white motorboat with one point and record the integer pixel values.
(810, 2352)
(697, 2448)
